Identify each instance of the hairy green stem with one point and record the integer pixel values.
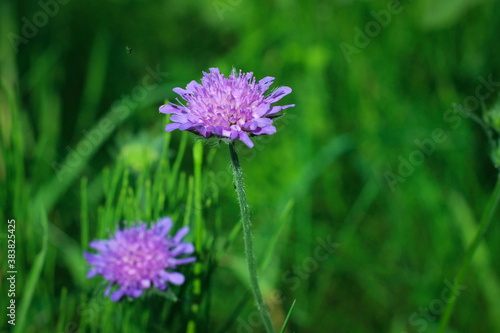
(247, 234)
(483, 227)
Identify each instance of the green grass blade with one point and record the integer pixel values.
(197, 285)
(189, 203)
(147, 201)
(483, 267)
(198, 205)
(33, 277)
(62, 307)
(94, 82)
(172, 180)
(288, 317)
(84, 214)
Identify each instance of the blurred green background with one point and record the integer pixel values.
(339, 169)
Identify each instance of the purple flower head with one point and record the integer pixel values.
(137, 257)
(230, 107)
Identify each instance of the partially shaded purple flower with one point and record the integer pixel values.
(230, 107)
(136, 258)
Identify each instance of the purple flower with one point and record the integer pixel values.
(137, 257)
(227, 107)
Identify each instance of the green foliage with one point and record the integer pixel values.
(83, 148)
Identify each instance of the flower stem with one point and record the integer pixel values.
(483, 227)
(247, 234)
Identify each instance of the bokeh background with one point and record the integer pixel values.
(354, 165)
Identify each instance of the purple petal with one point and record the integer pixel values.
(202, 130)
(226, 132)
(243, 136)
(234, 134)
(172, 126)
(186, 126)
(169, 108)
(209, 129)
(256, 123)
(265, 130)
(176, 278)
(181, 92)
(180, 234)
(163, 276)
(262, 109)
(136, 292)
(217, 130)
(163, 226)
(265, 83)
(183, 261)
(214, 70)
(99, 245)
(278, 94)
(179, 118)
(183, 248)
(159, 283)
(145, 284)
(192, 86)
(107, 291)
(115, 296)
(276, 109)
(92, 273)
(92, 258)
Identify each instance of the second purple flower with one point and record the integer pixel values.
(138, 258)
